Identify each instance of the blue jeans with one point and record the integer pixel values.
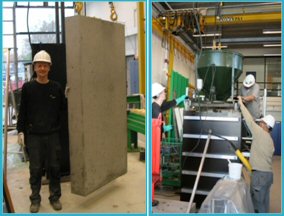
(44, 153)
(260, 188)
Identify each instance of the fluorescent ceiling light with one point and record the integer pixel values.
(207, 35)
(272, 45)
(211, 47)
(272, 54)
(271, 31)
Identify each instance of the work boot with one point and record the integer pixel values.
(34, 208)
(56, 205)
(155, 202)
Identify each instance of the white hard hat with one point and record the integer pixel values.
(269, 120)
(42, 56)
(157, 89)
(249, 81)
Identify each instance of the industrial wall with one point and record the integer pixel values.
(159, 54)
(127, 15)
(96, 102)
(255, 52)
(185, 67)
(267, 70)
(159, 67)
(255, 64)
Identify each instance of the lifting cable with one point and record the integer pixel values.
(7, 197)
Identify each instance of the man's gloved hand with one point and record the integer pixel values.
(21, 139)
(180, 99)
(167, 128)
(240, 100)
(66, 92)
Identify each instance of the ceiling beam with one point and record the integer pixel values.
(227, 6)
(157, 9)
(243, 19)
(183, 49)
(250, 40)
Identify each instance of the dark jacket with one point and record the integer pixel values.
(40, 107)
(157, 109)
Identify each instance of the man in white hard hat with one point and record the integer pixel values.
(38, 129)
(250, 95)
(261, 153)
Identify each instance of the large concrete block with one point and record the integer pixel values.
(96, 75)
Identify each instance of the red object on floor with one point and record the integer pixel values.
(156, 152)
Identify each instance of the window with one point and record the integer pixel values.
(7, 14)
(273, 76)
(41, 28)
(8, 28)
(40, 20)
(268, 73)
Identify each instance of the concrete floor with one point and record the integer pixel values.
(276, 189)
(126, 194)
(275, 192)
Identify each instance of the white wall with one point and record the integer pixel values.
(126, 12)
(255, 64)
(127, 15)
(184, 67)
(257, 52)
(159, 54)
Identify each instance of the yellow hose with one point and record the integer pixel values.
(243, 159)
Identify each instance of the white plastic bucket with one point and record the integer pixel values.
(235, 171)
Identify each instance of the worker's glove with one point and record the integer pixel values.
(240, 100)
(180, 99)
(66, 92)
(167, 128)
(21, 139)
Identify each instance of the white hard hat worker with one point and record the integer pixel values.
(249, 81)
(157, 89)
(42, 56)
(269, 120)
(42, 64)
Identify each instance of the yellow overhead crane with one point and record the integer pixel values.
(163, 32)
(173, 21)
(174, 43)
(242, 19)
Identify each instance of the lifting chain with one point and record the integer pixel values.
(113, 14)
(78, 7)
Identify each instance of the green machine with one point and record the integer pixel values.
(178, 86)
(135, 122)
(219, 70)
